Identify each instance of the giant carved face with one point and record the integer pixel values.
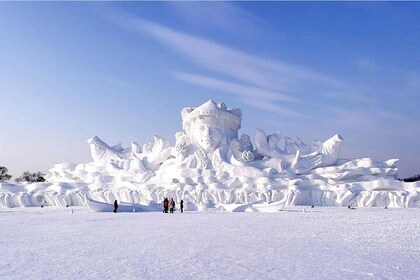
(208, 136)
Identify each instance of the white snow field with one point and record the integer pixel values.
(320, 243)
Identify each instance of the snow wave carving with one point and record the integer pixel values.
(210, 167)
(219, 199)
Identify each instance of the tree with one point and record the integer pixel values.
(412, 179)
(3, 174)
(31, 177)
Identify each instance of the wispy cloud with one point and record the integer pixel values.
(271, 82)
(234, 63)
(231, 62)
(117, 82)
(375, 123)
(239, 89)
(246, 93)
(220, 15)
(366, 63)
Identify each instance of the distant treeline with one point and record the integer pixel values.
(414, 178)
(25, 177)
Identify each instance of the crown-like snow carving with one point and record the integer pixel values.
(212, 113)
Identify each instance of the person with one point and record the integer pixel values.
(181, 206)
(165, 205)
(115, 206)
(172, 206)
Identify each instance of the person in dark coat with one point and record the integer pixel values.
(172, 206)
(181, 206)
(115, 206)
(165, 205)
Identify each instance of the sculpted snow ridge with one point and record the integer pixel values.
(211, 167)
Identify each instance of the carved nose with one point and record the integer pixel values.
(207, 132)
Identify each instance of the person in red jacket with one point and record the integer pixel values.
(165, 205)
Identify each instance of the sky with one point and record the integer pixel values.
(124, 71)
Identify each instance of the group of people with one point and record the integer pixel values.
(170, 205)
(167, 205)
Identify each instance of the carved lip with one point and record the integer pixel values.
(207, 141)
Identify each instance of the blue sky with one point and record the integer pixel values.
(124, 71)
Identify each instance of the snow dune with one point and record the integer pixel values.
(320, 243)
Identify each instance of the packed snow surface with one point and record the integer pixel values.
(296, 243)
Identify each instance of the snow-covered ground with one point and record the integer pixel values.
(320, 243)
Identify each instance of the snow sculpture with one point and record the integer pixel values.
(318, 155)
(210, 167)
